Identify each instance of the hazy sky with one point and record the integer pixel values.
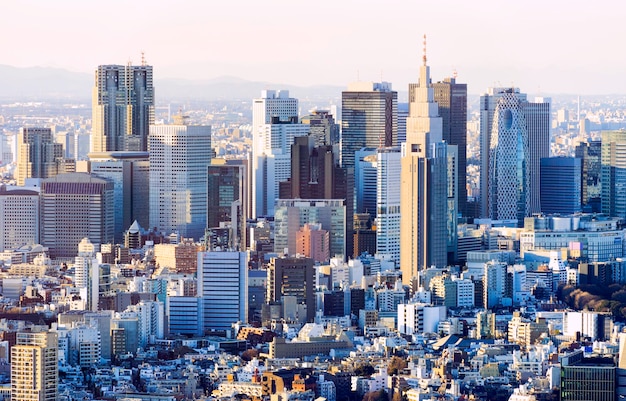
(547, 46)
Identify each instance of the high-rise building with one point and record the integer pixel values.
(423, 186)
(452, 100)
(223, 287)
(613, 170)
(38, 155)
(19, 218)
(34, 367)
(588, 378)
(292, 277)
(75, 206)
(122, 108)
(130, 174)
(316, 174)
(518, 133)
(591, 186)
(292, 214)
(323, 128)
(274, 127)
(227, 200)
(388, 203)
(179, 160)
(369, 118)
(365, 173)
(561, 185)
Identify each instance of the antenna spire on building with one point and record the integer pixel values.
(424, 56)
(143, 59)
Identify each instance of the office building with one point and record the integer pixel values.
(223, 287)
(323, 128)
(587, 378)
(591, 187)
(87, 273)
(388, 203)
(369, 118)
(423, 186)
(313, 242)
(274, 127)
(513, 132)
(365, 180)
(179, 160)
(292, 277)
(316, 174)
(613, 174)
(452, 100)
(184, 315)
(19, 218)
(34, 367)
(561, 185)
(292, 214)
(122, 108)
(227, 203)
(130, 174)
(364, 234)
(38, 155)
(75, 206)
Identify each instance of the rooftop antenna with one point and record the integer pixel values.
(143, 59)
(454, 73)
(424, 56)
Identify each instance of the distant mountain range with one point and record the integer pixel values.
(45, 83)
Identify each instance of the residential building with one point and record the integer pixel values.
(34, 367)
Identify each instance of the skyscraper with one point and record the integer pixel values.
(75, 206)
(130, 174)
(323, 129)
(509, 172)
(19, 218)
(274, 127)
(223, 287)
(590, 155)
(388, 203)
(227, 200)
(532, 121)
(561, 185)
(613, 174)
(34, 367)
(369, 118)
(316, 174)
(122, 108)
(452, 100)
(38, 155)
(179, 160)
(423, 191)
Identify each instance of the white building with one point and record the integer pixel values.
(274, 127)
(87, 273)
(494, 279)
(223, 287)
(19, 218)
(388, 203)
(415, 318)
(179, 160)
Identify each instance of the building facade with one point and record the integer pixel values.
(179, 160)
(19, 218)
(122, 108)
(561, 185)
(38, 155)
(34, 367)
(75, 206)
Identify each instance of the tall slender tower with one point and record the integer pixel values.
(34, 367)
(423, 191)
(122, 108)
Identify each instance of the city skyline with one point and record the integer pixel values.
(549, 53)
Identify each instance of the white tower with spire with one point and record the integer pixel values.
(423, 192)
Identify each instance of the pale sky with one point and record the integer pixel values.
(547, 46)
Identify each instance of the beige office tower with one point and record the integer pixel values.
(38, 155)
(34, 367)
(423, 192)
